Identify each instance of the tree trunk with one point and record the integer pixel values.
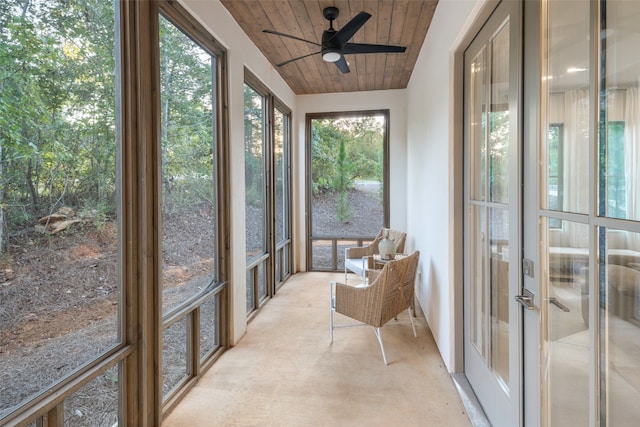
(2, 227)
(32, 188)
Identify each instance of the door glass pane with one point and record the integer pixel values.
(489, 237)
(566, 81)
(566, 339)
(620, 174)
(478, 125)
(619, 250)
(555, 166)
(478, 310)
(620, 326)
(60, 291)
(499, 285)
(188, 202)
(489, 295)
(499, 135)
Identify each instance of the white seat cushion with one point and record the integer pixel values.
(357, 265)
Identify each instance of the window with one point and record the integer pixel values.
(192, 289)
(282, 186)
(84, 293)
(60, 290)
(267, 192)
(347, 194)
(255, 196)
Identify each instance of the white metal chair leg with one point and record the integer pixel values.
(346, 278)
(345, 267)
(332, 303)
(415, 334)
(379, 336)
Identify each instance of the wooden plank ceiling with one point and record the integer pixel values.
(393, 22)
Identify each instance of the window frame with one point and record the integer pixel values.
(270, 256)
(138, 171)
(190, 308)
(360, 240)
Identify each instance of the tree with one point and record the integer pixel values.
(187, 119)
(325, 139)
(253, 145)
(57, 107)
(342, 183)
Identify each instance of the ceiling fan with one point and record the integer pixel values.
(335, 43)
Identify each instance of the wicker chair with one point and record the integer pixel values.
(358, 259)
(391, 291)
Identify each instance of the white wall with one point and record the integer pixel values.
(430, 218)
(241, 53)
(395, 102)
(420, 155)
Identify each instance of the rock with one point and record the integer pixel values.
(56, 226)
(57, 221)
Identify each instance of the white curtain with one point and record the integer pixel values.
(632, 159)
(576, 160)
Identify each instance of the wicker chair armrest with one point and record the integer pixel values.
(360, 251)
(354, 302)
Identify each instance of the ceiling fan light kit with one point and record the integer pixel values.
(331, 55)
(335, 44)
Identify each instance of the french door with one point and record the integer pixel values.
(554, 221)
(493, 238)
(589, 216)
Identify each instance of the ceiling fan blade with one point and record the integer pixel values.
(295, 59)
(346, 32)
(371, 48)
(342, 65)
(277, 33)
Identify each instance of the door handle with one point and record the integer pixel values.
(561, 306)
(526, 299)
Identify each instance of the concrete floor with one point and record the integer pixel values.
(285, 372)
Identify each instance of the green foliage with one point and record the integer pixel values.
(58, 112)
(343, 207)
(362, 138)
(342, 182)
(187, 122)
(254, 147)
(99, 213)
(188, 192)
(57, 106)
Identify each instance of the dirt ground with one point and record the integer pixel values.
(366, 215)
(58, 307)
(59, 295)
